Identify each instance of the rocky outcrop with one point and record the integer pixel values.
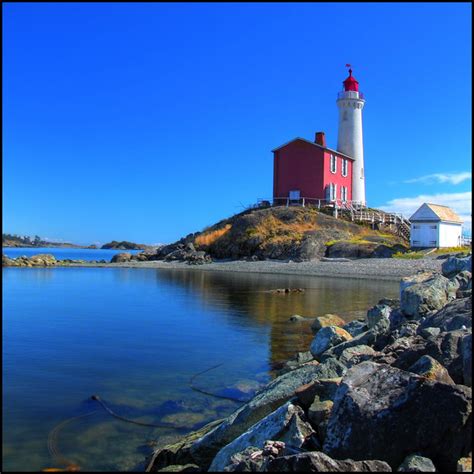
(326, 338)
(456, 265)
(320, 462)
(394, 396)
(416, 463)
(280, 233)
(430, 295)
(326, 320)
(121, 257)
(376, 403)
(353, 250)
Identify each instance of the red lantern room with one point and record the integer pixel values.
(350, 84)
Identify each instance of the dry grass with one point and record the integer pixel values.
(208, 238)
(273, 229)
(442, 251)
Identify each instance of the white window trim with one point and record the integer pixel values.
(332, 191)
(343, 193)
(333, 157)
(344, 167)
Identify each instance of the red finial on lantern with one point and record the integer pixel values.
(350, 84)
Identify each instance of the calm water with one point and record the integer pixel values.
(135, 337)
(62, 253)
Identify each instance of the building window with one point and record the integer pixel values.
(295, 194)
(332, 192)
(432, 227)
(344, 193)
(344, 167)
(333, 163)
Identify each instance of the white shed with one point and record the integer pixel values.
(433, 225)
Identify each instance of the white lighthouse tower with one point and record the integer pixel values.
(349, 137)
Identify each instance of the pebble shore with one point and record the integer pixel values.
(369, 268)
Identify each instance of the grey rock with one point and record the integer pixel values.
(279, 391)
(428, 332)
(121, 257)
(251, 459)
(376, 406)
(355, 355)
(429, 295)
(326, 338)
(376, 313)
(316, 461)
(464, 280)
(270, 427)
(456, 264)
(295, 318)
(466, 351)
(454, 315)
(416, 463)
(354, 328)
(430, 368)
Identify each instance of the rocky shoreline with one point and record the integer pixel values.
(390, 393)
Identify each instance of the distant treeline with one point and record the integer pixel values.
(36, 241)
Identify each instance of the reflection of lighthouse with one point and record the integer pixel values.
(349, 138)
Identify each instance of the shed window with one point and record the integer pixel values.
(333, 164)
(295, 194)
(432, 227)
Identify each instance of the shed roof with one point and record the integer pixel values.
(315, 144)
(437, 212)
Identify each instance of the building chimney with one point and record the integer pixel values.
(320, 139)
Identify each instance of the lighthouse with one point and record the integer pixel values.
(350, 103)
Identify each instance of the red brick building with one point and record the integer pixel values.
(311, 170)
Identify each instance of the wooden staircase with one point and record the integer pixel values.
(396, 222)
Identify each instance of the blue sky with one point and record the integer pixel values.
(146, 122)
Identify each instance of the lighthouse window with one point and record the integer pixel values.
(344, 167)
(333, 164)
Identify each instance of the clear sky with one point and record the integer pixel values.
(148, 121)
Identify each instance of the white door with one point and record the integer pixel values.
(429, 235)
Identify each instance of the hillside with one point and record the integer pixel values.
(124, 245)
(283, 233)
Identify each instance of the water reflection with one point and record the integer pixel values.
(244, 295)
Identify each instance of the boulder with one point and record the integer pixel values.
(466, 352)
(464, 280)
(276, 393)
(296, 318)
(284, 420)
(121, 257)
(179, 452)
(464, 465)
(428, 333)
(416, 463)
(376, 313)
(430, 368)
(319, 411)
(381, 412)
(455, 265)
(432, 294)
(354, 328)
(326, 338)
(454, 315)
(411, 280)
(251, 459)
(355, 355)
(324, 388)
(316, 461)
(181, 468)
(326, 320)
(42, 259)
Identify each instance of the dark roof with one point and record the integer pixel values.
(315, 144)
